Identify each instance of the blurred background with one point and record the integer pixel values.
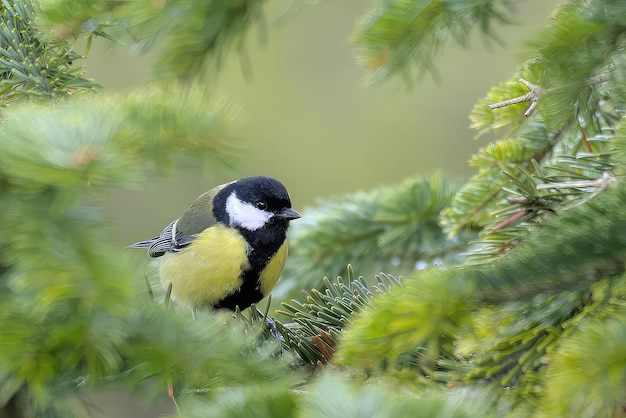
(305, 117)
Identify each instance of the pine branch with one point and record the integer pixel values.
(532, 96)
(67, 295)
(540, 302)
(334, 395)
(509, 318)
(95, 143)
(318, 322)
(392, 228)
(567, 139)
(567, 70)
(618, 146)
(571, 251)
(596, 354)
(31, 65)
(515, 167)
(192, 36)
(398, 36)
(529, 203)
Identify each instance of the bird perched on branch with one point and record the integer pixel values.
(229, 248)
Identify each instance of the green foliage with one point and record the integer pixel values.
(66, 304)
(618, 146)
(318, 322)
(528, 324)
(588, 371)
(540, 295)
(400, 36)
(549, 146)
(386, 228)
(32, 66)
(190, 35)
(69, 316)
(332, 396)
(510, 319)
(96, 143)
(265, 400)
(578, 65)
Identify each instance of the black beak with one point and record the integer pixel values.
(288, 214)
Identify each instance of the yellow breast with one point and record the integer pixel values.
(209, 269)
(271, 273)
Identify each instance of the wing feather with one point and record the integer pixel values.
(170, 240)
(183, 231)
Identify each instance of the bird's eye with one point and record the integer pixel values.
(261, 205)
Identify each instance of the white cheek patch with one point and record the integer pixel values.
(245, 214)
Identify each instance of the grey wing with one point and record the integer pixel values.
(181, 232)
(170, 240)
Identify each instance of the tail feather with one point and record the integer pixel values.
(143, 244)
(165, 242)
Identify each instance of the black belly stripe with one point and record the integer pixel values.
(264, 243)
(247, 294)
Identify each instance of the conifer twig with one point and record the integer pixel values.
(603, 181)
(532, 96)
(594, 186)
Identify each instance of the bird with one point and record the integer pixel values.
(229, 248)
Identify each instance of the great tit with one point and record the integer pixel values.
(229, 248)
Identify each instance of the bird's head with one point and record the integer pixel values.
(255, 202)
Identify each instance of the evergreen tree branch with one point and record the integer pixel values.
(532, 96)
(539, 302)
(549, 260)
(95, 143)
(596, 354)
(561, 262)
(397, 36)
(192, 36)
(66, 292)
(567, 139)
(31, 65)
(386, 228)
(319, 321)
(332, 395)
